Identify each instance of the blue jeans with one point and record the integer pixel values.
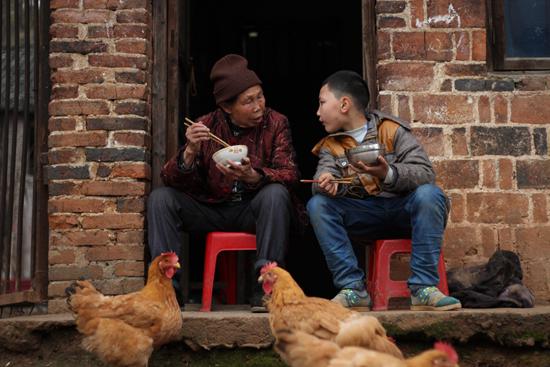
(421, 214)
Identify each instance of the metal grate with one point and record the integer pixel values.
(22, 99)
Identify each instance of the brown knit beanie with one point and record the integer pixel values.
(231, 76)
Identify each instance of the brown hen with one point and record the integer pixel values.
(290, 309)
(299, 349)
(123, 330)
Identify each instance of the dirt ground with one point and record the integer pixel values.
(56, 352)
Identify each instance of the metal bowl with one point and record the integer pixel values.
(366, 153)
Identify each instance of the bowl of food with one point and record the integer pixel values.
(233, 153)
(366, 153)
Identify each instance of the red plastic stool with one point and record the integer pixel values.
(381, 288)
(217, 242)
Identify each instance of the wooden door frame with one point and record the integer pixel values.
(370, 45)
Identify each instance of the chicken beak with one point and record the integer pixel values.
(177, 265)
(261, 279)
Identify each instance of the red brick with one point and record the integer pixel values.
(384, 103)
(506, 174)
(540, 208)
(115, 4)
(113, 221)
(536, 274)
(132, 170)
(456, 13)
(409, 45)
(505, 208)
(75, 272)
(119, 285)
(530, 109)
(418, 17)
(532, 84)
(479, 45)
(57, 256)
(135, 76)
(465, 69)
(78, 139)
(81, 238)
(132, 46)
(129, 269)
(431, 139)
(61, 123)
(390, 6)
(57, 289)
(139, 108)
(60, 156)
(110, 253)
(83, 47)
(113, 188)
(488, 241)
(64, 91)
(115, 91)
(500, 105)
(460, 241)
(95, 4)
(458, 204)
(443, 109)
(60, 61)
(409, 76)
(100, 31)
(118, 61)
(459, 142)
(81, 16)
(136, 237)
(63, 31)
(403, 108)
(439, 46)
(61, 221)
(391, 22)
(446, 85)
(506, 239)
(57, 188)
(83, 76)
(533, 242)
(383, 45)
(462, 42)
(132, 16)
(78, 107)
(457, 174)
(56, 4)
(131, 205)
(131, 139)
(88, 205)
(484, 109)
(131, 31)
(489, 171)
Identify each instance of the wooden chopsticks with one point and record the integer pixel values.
(344, 180)
(190, 122)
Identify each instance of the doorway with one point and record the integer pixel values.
(292, 46)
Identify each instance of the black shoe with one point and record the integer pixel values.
(257, 304)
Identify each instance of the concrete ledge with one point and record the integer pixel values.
(240, 328)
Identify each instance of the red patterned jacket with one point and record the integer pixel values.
(269, 148)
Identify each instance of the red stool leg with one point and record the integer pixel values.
(381, 275)
(228, 275)
(210, 255)
(443, 286)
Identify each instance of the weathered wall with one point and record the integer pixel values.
(486, 132)
(99, 143)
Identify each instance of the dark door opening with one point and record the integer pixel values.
(293, 46)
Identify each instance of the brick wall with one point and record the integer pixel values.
(99, 144)
(486, 132)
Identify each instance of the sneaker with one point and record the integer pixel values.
(353, 299)
(431, 299)
(257, 303)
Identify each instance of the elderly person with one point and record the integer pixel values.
(252, 195)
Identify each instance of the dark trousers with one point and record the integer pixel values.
(268, 214)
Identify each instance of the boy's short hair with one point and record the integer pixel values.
(349, 83)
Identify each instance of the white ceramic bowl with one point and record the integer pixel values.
(233, 153)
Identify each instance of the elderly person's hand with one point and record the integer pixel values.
(379, 170)
(325, 184)
(242, 172)
(195, 135)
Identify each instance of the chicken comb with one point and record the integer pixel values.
(267, 267)
(170, 253)
(448, 350)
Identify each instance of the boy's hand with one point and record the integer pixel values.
(243, 171)
(379, 170)
(326, 185)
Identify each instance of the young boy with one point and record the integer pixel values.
(393, 198)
